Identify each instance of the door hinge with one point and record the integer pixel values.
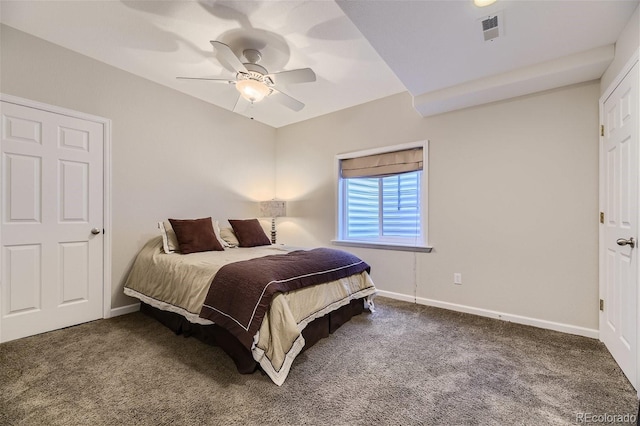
(601, 217)
(601, 305)
(602, 130)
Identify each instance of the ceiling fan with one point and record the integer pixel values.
(254, 82)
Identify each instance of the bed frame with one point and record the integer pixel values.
(241, 356)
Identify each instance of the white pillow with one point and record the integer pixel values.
(216, 230)
(170, 241)
(229, 237)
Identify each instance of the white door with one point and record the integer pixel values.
(51, 272)
(619, 318)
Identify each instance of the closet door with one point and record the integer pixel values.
(620, 163)
(51, 234)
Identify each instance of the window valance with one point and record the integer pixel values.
(388, 163)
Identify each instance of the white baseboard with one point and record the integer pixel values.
(549, 325)
(123, 310)
(396, 296)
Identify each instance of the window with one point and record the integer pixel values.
(383, 206)
(382, 197)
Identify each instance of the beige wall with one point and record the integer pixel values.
(626, 46)
(173, 155)
(512, 185)
(513, 199)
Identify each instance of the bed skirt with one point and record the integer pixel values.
(241, 356)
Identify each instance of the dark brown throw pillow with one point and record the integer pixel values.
(249, 233)
(195, 235)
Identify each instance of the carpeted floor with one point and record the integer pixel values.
(405, 364)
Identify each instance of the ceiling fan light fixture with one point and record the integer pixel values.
(252, 90)
(253, 82)
(483, 3)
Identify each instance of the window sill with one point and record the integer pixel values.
(383, 246)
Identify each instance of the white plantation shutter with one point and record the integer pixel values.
(401, 205)
(362, 207)
(383, 207)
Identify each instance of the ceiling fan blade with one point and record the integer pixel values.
(302, 75)
(241, 104)
(286, 100)
(216, 80)
(226, 56)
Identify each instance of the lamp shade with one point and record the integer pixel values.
(273, 208)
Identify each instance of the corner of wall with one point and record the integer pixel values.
(627, 46)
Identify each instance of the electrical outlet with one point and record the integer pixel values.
(457, 278)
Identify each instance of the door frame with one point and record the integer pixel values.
(106, 190)
(601, 244)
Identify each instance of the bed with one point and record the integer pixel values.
(263, 305)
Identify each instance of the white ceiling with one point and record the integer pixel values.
(438, 51)
(356, 47)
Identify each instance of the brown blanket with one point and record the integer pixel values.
(241, 292)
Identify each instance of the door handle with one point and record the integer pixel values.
(95, 231)
(624, 242)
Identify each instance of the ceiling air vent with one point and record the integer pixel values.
(491, 26)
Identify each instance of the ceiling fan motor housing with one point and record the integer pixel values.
(256, 76)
